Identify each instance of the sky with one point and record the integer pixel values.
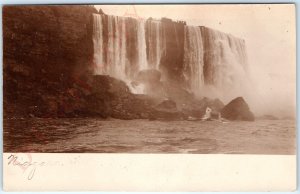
(270, 35)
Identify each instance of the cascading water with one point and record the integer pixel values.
(193, 58)
(225, 63)
(155, 42)
(98, 44)
(124, 46)
(142, 55)
(110, 46)
(115, 52)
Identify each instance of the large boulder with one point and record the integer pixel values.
(111, 97)
(237, 109)
(106, 85)
(166, 110)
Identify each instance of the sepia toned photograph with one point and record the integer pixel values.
(164, 78)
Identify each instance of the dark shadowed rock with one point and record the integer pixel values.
(166, 110)
(42, 47)
(237, 109)
(167, 105)
(177, 93)
(197, 108)
(115, 100)
(215, 104)
(105, 84)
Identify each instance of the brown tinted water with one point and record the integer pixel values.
(143, 136)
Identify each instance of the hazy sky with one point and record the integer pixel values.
(269, 32)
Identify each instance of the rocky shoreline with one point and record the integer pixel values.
(103, 96)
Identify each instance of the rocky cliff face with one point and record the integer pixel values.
(44, 47)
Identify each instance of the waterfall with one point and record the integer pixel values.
(225, 58)
(193, 58)
(119, 46)
(158, 44)
(116, 54)
(118, 62)
(98, 44)
(225, 63)
(201, 57)
(142, 56)
(154, 43)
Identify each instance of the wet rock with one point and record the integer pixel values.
(109, 87)
(215, 104)
(166, 110)
(167, 105)
(197, 108)
(237, 109)
(111, 97)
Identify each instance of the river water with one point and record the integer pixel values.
(89, 135)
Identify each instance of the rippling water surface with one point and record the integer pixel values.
(143, 136)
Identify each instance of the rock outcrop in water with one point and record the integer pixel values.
(237, 109)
